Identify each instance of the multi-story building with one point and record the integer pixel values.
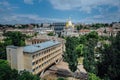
(59, 27)
(34, 58)
(44, 30)
(34, 41)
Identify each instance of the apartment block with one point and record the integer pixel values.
(34, 58)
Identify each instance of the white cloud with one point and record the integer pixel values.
(82, 5)
(33, 18)
(26, 18)
(107, 18)
(7, 16)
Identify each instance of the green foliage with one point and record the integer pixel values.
(97, 25)
(93, 77)
(78, 27)
(51, 34)
(61, 78)
(74, 49)
(3, 50)
(101, 38)
(36, 34)
(92, 35)
(6, 73)
(24, 75)
(89, 59)
(110, 65)
(17, 38)
(89, 56)
(83, 39)
(79, 50)
(12, 38)
(70, 55)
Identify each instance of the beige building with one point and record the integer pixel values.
(34, 58)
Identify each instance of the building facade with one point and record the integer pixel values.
(34, 58)
(59, 27)
(69, 29)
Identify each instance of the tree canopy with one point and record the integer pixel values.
(16, 38)
(110, 60)
(6, 73)
(70, 54)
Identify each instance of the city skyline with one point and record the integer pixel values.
(39, 11)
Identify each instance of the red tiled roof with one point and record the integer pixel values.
(84, 30)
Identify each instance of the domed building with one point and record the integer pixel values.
(69, 24)
(69, 29)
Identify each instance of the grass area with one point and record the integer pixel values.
(80, 60)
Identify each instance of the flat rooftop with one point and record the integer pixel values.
(40, 46)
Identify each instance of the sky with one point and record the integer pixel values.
(44, 11)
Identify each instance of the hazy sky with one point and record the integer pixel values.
(37, 11)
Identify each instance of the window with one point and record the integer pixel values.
(33, 56)
(33, 70)
(37, 62)
(39, 66)
(33, 63)
(36, 55)
(36, 67)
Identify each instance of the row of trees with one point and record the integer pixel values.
(21, 26)
(92, 26)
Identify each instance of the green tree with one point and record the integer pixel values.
(51, 34)
(110, 64)
(61, 78)
(93, 77)
(17, 38)
(70, 55)
(79, 50)
(78, 27)
(36, 34)
(6, 72)
(2, 51)
(89, 58)
(25, 75)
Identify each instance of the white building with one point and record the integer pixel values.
(69, 29)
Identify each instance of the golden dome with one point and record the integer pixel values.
(69, 24)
